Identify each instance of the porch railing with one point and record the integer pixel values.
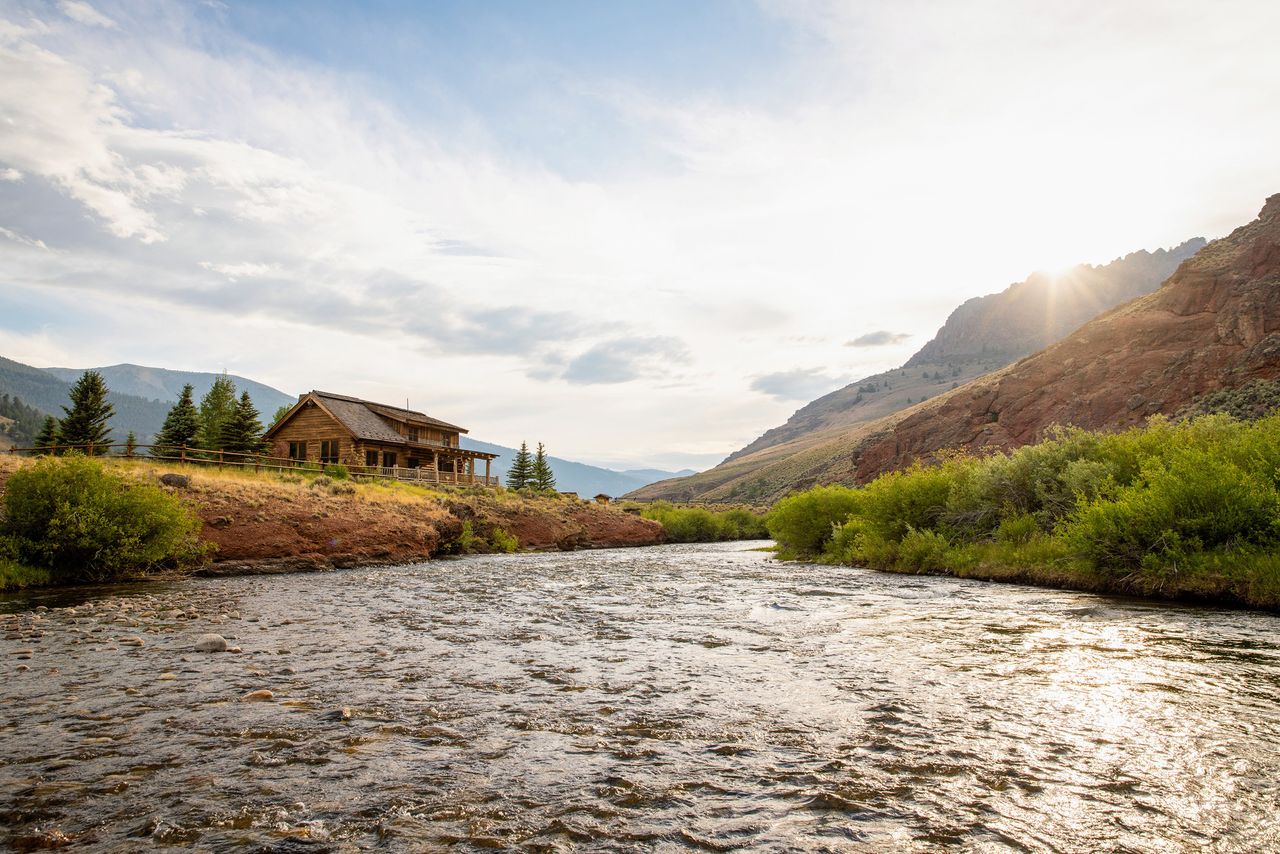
(256, 462)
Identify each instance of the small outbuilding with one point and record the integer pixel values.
(603, 499)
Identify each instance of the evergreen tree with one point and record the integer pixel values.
(86, 420)
(520, 474)
(242, 431)
(280, 413)
(542, 477)
(215, 408)
(181, 426)
(48, 435)
(130, 444)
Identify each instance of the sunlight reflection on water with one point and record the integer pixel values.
(682, 697)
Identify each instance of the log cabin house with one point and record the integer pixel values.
(365, 436)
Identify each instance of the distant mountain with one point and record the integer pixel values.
(577, 477)
(982, 335)
(1045, 308)
(164, 384)
(49, 394)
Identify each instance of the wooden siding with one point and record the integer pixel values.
(312, 425)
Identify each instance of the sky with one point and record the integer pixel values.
(641, 233)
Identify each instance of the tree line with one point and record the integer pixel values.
(531, 471)
(222, 422)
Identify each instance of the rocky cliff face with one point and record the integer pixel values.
(1214, 324)
(981, 336)
(1032, 314)
(986, 333)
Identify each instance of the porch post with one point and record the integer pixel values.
(486, 471)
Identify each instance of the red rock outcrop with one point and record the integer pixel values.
(1214, 324)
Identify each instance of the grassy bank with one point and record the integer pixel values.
(260, 521)
(700, 525)
(1179, 510)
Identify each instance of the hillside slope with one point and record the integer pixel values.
(982, 335)
(165, 384)
(49, 394)
(1215, 324)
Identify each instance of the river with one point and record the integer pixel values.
(673, 698)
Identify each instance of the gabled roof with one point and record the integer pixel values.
(360, 411)
(364, 418)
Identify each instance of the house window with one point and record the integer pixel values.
(297, 450)
(329, 451)
(389, 459)
(413, 434)
(371, 459)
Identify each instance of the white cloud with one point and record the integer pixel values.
(83, 13)
(924, 153)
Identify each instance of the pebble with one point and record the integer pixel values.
(259, 695)
(166, 677)
(211, 643)
(22, 668)
(133, 641)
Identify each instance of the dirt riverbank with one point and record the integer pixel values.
(269, 523)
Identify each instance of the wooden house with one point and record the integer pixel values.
(332, 428)
(603, 499)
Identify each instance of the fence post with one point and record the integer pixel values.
(182, 454)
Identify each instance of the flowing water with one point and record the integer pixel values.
(674, 698)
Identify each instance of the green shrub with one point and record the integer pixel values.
(923, 551)
(337, 471)
(503, 541)
(1017, 529)
(83, 523)
(803, 523)
(321, 482)
(1190, 502)
(699, 525)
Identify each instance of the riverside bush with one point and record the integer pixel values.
(83, 523)
(803, 523)
(1190, 506)
(699, 525)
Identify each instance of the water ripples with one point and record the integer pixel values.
(676, 698)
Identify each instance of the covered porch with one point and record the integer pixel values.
(425, 462)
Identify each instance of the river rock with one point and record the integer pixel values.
(133, 641)
(211, 643)
(261, 695)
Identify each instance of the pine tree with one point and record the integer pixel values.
(215, 408)
(48, 435)
(520, 474)
(181, 426)
(542, 478)
(86, 420)
(242, 431)
(280, 413)
(130, 444)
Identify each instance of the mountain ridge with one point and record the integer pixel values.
(1214, 324)
(954, 357)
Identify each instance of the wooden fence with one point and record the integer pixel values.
(255, 462)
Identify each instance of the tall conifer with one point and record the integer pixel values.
(521, 472)
(48, 435)
(215, 408)
(542, 478)
(242, 431)
(181, 426)
(86, 420)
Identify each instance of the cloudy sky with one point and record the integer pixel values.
(642, 233)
